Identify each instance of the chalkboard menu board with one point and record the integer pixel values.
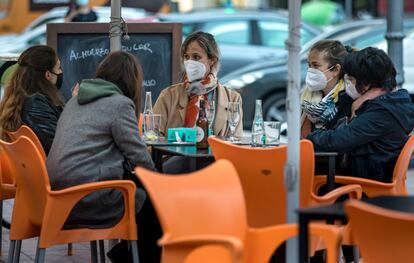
(82, 46)
(47, 4)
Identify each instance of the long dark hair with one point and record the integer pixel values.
(124, 70)
(28, 79)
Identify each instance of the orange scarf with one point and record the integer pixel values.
(195, 90)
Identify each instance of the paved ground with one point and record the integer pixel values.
(81, 252)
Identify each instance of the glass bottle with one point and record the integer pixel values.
(148, 103)
(202, 127)
(258, 132)
(147, 111)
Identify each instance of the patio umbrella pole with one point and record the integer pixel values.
(293, 119)
(115, 31)
(395, 35)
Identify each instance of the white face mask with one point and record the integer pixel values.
(195, 70)
(350, 88)
(316, 80)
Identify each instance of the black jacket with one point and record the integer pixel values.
(343, 106)
(374, 138)
(41, 115)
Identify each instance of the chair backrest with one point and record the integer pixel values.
(140, 119)
(209, 201)
(400, 170)
(307, 172)
(382, 235)
(261, 173)
(29, 133)
(7, 176)
(31, 176)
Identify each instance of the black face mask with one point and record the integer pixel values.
(59, 80)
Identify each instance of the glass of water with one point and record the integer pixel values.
(152, 123)
(211, 112)
(233, 118)
(272, 131)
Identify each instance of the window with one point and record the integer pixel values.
(38, 40)
(274, 33)
(187, 29)
(4, 7)
(229, 32)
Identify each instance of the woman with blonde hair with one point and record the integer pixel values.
(178, 104)
(324, 99)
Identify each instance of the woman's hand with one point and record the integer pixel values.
(75, 90)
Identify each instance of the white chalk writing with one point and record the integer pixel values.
(150, 83)
(135, 47)
(101, 52)
(93, 52)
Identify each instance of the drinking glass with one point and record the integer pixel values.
(210, 111)
(233, 118)
(272, 131)
(152, 123)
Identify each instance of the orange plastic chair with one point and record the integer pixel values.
(7, 189)
(383, 235)
(29, 133)
(374, 188)
(140, 120)
(40, 211)
(261, 172)
(203, 217)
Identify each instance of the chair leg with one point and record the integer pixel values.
(1, 228)
(41, 252)
(102, 251)
(94, 252)
(134, 246)
(356, 254)
(17, 251)
(11, 251)
(70, 251)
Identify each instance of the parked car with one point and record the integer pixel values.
(268, 80)
(243, 36)
(35, 33)
(408, 62)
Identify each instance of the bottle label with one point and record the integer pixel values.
(199, 134)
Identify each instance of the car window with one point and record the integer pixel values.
(274, 34)
(229, 32)
(4, 6)
(187, 29)
(38, 40)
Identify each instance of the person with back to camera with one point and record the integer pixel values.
(32, 95)
(96, 140)
(324, 100)
(79, 11)
(382, 117)
(179, 104)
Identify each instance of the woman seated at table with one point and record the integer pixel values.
(324, 99)
(382, 117)
(178, 104)
(32, 95)
(96, 140)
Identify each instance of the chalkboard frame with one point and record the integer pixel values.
(175, 29)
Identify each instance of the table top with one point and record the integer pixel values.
(397, 203)
(190, 149)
